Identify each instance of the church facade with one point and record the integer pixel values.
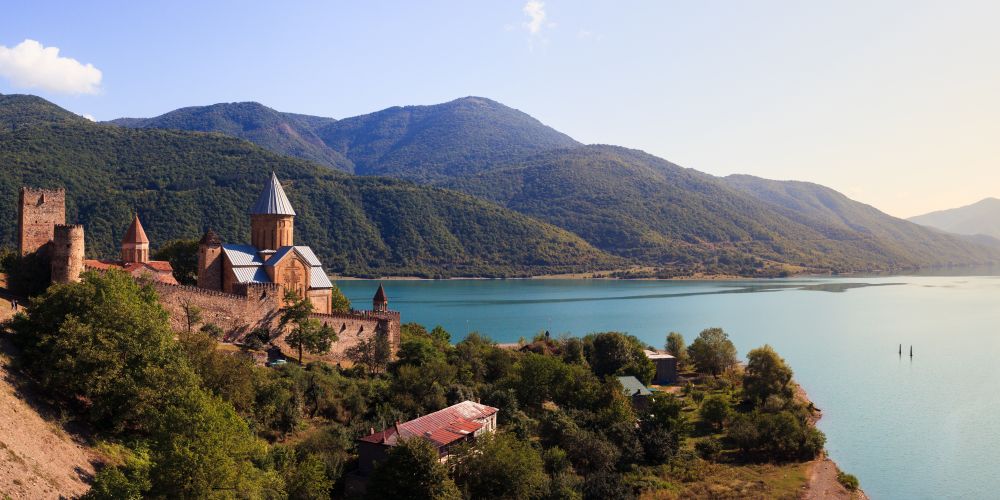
(271, 257)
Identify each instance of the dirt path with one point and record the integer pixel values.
(823, 483)
(38, 459)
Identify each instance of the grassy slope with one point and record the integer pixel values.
(183, 182)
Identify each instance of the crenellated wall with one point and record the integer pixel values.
(259, 305)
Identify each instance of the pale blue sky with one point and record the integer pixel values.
(895, 103)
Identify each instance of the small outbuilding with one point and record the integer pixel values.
(635, 390)
(444, 429)
(666, 367)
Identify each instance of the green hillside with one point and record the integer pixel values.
(841, 218)
(637, 205)
(283, 133)
(981, 218)
(182, 182)
(443, 141)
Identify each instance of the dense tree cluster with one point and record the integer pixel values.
(184, 418)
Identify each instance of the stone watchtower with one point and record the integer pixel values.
(135, 244)
(41, 210)
(380, 303)
(272, 218)
(67, 253)
(210, 261)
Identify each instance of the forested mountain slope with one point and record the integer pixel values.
(182, 182)
(283, 133)
(635, 204)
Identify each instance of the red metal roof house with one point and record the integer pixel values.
(445, 428)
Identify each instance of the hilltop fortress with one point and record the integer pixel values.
(241, 288)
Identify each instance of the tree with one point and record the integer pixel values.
(192, 315)
(715, 409)
(614, 353)
(374, 352)
(712, 352)
(412, 470)
(311, 335)
(500, 466)
(766, 375)
(308, 333)
(675, 347)
(340, 303)
(183, 257)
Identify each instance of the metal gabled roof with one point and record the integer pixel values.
(305, 252)
(272, 200)
(251, 274)
(318, 278)
(632, 386)
(242, 255)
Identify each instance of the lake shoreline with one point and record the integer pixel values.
(822, 482)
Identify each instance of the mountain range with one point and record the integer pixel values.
(181, 183)
(980, 218)
(625, 202)
(467, 187)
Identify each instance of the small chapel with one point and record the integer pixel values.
(271, 257)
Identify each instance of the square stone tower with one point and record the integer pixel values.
(41, 210)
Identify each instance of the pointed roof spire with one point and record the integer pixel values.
(380, 295)
(272, 201)
(135, 233)
(210, 238)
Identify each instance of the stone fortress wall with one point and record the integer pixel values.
(42, 228)
(259, 306)
(40, 211)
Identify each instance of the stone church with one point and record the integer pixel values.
(271, 257)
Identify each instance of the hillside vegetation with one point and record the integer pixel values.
(283, 133)
(182, 182)
(637, 205)
(626, 202)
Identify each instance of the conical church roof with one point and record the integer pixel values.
(272, 200)
(135, 233)
(380, 294)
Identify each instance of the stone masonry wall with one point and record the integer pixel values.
(40, 211)
(238, 315)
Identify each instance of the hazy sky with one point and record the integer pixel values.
(894, 103)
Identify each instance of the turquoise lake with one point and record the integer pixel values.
(921, 428)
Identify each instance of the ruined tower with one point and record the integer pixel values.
(135, 244)
(210, 261)
(67, 253)
(272, 217)
(40, 211)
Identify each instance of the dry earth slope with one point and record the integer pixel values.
(38, 459)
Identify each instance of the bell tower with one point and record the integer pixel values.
(272, 218)
(135, 245)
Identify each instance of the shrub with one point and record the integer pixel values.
(709, 448)
(848, 480)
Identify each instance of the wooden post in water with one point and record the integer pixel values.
(900, 350)
(911, 351)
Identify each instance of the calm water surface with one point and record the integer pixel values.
(922, 428)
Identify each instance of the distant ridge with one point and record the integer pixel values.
(182, 182)
(284, 133)
(980, 218)
(622, 201)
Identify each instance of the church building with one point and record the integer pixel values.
(135, 257)
(271, 257)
